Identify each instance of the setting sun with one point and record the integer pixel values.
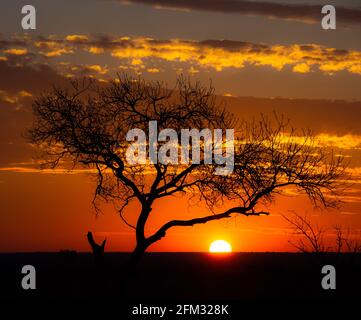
(220, 246)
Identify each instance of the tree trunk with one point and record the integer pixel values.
(98, 250)
(136, 255)
(142, 243)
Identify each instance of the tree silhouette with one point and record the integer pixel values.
(88, 122)
(311, 237)
(98, 249)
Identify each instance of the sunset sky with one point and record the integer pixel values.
(262, 56)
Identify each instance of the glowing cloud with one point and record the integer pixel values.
(16, 52)
(306, 13)
(141, 53)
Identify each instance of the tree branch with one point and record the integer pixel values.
(188, 223)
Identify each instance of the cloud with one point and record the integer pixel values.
(301, 68)
(35, 78)
(14, 42)
(349, 213)
(221, 54)
(50, 47)
(341, 142)
(153, 70)
(140, 53)
(14, 98)
(16, 52)
(57, 52)
(94, 69)
(19, 84)
(45, 171)
(298, 12)
(76, 37)
(348, 141)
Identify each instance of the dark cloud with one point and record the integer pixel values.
(300, 12)
(6, 43)
(321, 116)
(34, 79)
(16, 115)
(231, 45)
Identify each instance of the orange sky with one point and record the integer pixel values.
(46, 211)
(251, 60)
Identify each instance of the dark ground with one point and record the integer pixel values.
(178, 277)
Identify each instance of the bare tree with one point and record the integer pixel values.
(350, 241)
(88, 124)
(311, 237)
(339, 239)
(98, 249)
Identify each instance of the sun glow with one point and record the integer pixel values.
(220, 246)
